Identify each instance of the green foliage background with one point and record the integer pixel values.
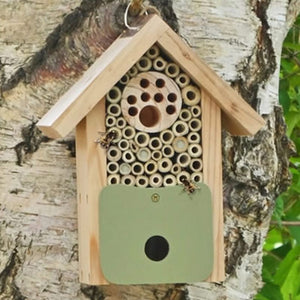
(281, 260)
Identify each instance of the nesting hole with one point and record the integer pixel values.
(145, 97)
(132, 111)
(191, 95)
(172, 97)
(158, 97)
(196, 165)
(144, 83)
(171, 109)
(131, 99)
(113, 94)
(160, 83)
(149, 116)
(180, 128)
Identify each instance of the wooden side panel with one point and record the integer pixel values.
(74, 105)
(91, 178)
(245, 119)
(212, 173)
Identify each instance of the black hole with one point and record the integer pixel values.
(196, 165)
(191, 95)
(152, 51)
(156, 248)
(113, 153)
(113, 94)
(169, 180)
(166, 136)
(132, 111)
(164, 164)
(141, 139)
(128, 132)
(124, 79)
(158, 97)
(159, 63)
(172, 70)
(128, 156)
(131, 99)
(145, 97)
(182, 79)
(160, 83)
(121, 122)
(194, 124)
(143, 63)
(168, 151)
(142, 181)
(127, 181)
(155, 143)
(156, 155)
(113, 180)
(179, 128)
(123, 145)
(144, 83)
(137, 168)
(170, 109)
(197, 178)
(114, 109)
(172, 97)
(112, 167)
(155, 179)
(150, 167)
(110, 121)
(193, 137)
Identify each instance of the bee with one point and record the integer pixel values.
(189, 186)
(106, 139)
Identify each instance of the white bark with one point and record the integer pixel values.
(38, 218)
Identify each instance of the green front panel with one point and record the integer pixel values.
(130, 216)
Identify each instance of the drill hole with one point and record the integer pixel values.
(172, 97)
(145, 97)
(144, 83)
(160, 83)
(171, 109)
(156, 248)
(158, 97)
(149, 116)
(131, 99)
(191, 95)
(132, 111)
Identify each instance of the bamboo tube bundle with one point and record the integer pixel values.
(180, 144)
(185, 115)
(196, 165)
(155, 143)
(194, 137)
(144, 154)
(196, 111)
(128, 156)
(153, 52)
(191, 95)
(180, 128)
(125, 169)
(182, 80)
(156, 180)
(142, 139)
(172, 70)
(164, 165)
(133, 146)
(114, 110)
(151, 167)
(167, 136)
(144, 64)
(121, 122)
(128, 180)
(133, 71)
(183, 159)
(124, 79)
(113, 179)
(167, 151)
(183, 175)
(110, 121)
(142, 181)
(123, 144)
(156, 155)
(112, 167)
(197, 177)
(137, 168)
(176, 169)
(128, 132)
(195, 124)
(195, 150)
(114, 154)
(114, 95)
(159, 64)
(169, 180)
(117, 132)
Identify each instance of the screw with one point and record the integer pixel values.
(155, 197)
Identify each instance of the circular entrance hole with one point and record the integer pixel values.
(133, 111)
(145, 97)
(144, 83)
(131, 99)
(158, 97)
(156, 248)
(149, 116)
(160, 83)
(171, 109)
(172, 97)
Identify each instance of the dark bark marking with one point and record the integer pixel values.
(70, 145)
(177, 293)
(92, 292)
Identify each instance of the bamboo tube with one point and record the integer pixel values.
(191, 95)
(194, 150)
(125, 169)
(156, 180)
(169, 180)
(164, 165)
(144, 154)
(183, 174)
(155, 143)
(194, 137)
(124, 79)
(167, 136)
(180, 128)
(159, 64)
(172, 70)
(128, 180)
(183, 159)
(110, 121)
(128, 156)
(114, 153)
(144, 64)
(128, 132)
(156, 155)
(180, 144)
(196, 111)
(167, 151)
(142, 139)
(196, 164)
(137, 168)
(197, 177)
(195, 124)
(114, 95)
(118, 134)
(176, 169)
(185, 115)
(182, 80)
(112, 167)
(121, 122)
(153, 52)
(113, 179)
(123, 144)
(133, 147)
(142, 181)
(133, 71)
(114, 109)
(151, 167)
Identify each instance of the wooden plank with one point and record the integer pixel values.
(234, 107)
(212, 174)
(91, 178)
(75, 104)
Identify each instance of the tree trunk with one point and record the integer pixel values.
(45, 47)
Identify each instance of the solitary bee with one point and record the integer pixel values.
(189, 186)
(105, 140)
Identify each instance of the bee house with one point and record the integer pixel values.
(148, 116)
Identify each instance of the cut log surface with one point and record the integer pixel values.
(45, 46)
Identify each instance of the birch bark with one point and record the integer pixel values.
(44, 48)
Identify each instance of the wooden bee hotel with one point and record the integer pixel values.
(148, 116)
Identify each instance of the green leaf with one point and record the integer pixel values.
(274, 237)
(284, 100)
(291, 284)
(292, 46)
(292, 120)
(286, 265)
(278, 212)
(271, 291)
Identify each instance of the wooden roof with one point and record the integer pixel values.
(238, 116)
